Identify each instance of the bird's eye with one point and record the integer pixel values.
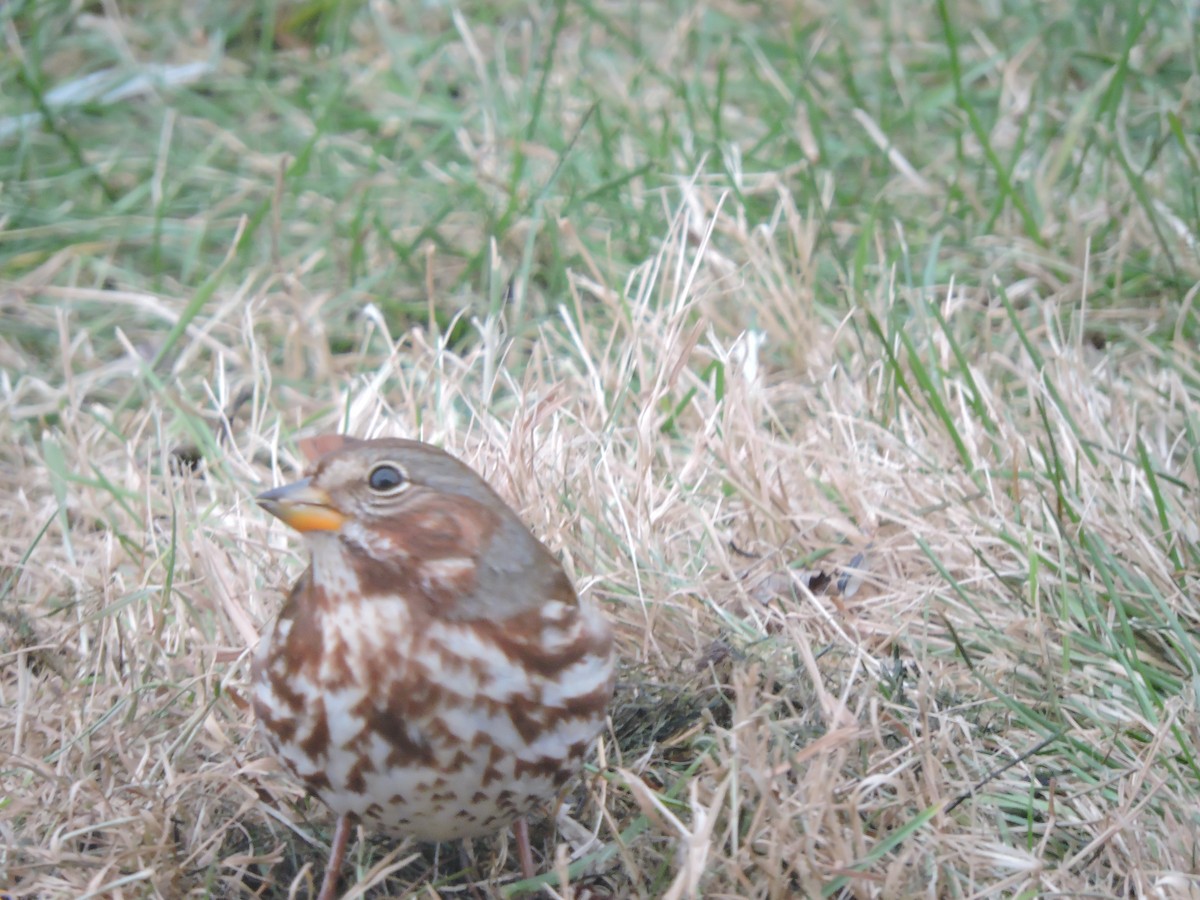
(387, 478)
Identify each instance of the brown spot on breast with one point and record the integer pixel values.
(302, 646)
(460, 761)
(316, 782)
(280, 685)
(409, 746)
(529, 719)
(379, 580)
(542, 767)
(317, 742)
(590, 705)
(406, 750)
(279, 730)
(519, 637)
(355, 780)
(491, 774)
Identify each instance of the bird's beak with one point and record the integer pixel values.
(304, 507)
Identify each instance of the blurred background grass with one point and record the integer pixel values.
(417, 154)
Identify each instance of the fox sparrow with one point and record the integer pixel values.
(433, 672)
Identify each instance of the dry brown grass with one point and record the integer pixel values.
(771, 730)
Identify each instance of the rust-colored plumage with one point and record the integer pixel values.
(433, 672)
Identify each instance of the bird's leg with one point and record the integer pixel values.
(341, 834)
(524, 853)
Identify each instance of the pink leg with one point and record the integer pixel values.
(341, 834)
(521, 831)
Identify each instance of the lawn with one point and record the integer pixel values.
(847, 355)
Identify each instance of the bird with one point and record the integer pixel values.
(432, 673)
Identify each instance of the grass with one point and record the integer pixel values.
(845, 353)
